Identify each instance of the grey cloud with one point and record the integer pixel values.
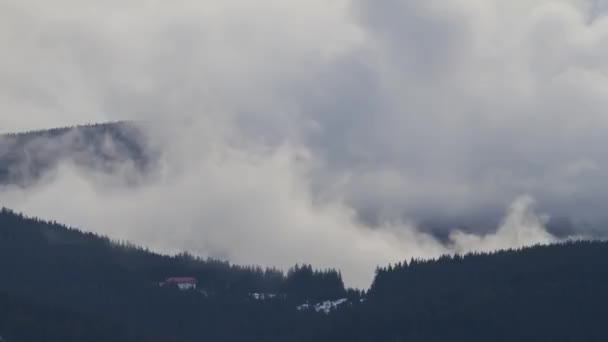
(342, 124)
(490, 100)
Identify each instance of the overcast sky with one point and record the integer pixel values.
(320, 130)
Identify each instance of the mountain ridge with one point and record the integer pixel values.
(539, 293)
(25, 157)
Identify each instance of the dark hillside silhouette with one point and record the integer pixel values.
(70, 285)
(66, 269)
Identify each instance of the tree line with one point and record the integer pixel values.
(62, 284)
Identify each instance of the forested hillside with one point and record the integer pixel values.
(22, 320)
(543, 293)
(60, 284)
(25, 157)
(63, 269)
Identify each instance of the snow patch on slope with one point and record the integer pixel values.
(325, 307)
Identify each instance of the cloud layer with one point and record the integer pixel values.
(320, 131)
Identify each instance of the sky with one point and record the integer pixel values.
(323, 131)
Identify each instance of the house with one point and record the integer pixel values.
(182, 283)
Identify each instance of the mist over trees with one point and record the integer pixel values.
(125, 151)
(64, 271)
(277, 152)
(27, 156)
(60, 284)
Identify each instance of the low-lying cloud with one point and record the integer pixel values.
(321, 131)
(250, 206)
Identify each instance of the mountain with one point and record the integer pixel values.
(25, 157)
(88, 278)
(60, 284)
(542, 293)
